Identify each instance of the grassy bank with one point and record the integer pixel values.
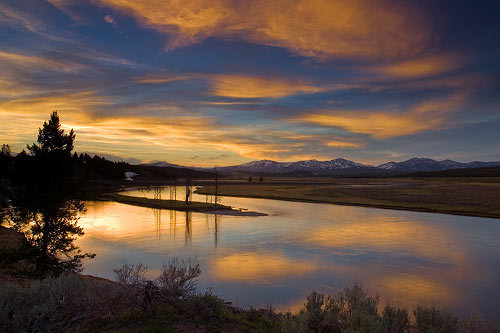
(461, 196)
(191, 206)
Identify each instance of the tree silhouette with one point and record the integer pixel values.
(45, 204)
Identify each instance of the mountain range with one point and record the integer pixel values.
(340, 165)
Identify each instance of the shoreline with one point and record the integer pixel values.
(358, 204)
(192, 206)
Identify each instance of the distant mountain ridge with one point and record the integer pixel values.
(427, 164)
(163, 164)
(341, 165)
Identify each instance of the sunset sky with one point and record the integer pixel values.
(221, 82)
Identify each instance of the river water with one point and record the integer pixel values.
(408, 258)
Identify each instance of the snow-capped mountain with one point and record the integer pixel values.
(164, 164)
(427, 164)
(340, 166)
(314, 166)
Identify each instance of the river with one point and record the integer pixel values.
(408, 258)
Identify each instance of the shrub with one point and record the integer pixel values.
(54, 304)
(177, 280)
(314, 311)
(476, 324)
(433, 320)
(131, 275)
(205, 306)
(395, 320)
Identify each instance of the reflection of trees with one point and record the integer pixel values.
(216, 230)
(187, 232)
(156, 193)
(157, 217)
(173, 192)
(188, 228)
(173, 222)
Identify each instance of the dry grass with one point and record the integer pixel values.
(192, 206)
(462, 196)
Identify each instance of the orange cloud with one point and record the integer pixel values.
(313, 28)
(342, 144)
(20, 60)
(241, 86)
(383, 125)
(143, 137)
(420, 67)
(245, 86)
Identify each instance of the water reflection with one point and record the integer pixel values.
(407, 257)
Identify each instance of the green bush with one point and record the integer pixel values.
(395, 320)
(432, 320)
(205, 306)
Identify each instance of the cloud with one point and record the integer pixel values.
(382, 124)
(66, 7)
(36, 62)
(9, 15)
(342, 144)
(242, 86)
(245, 86)
(420, 67)
(110, 19)
(312, 28)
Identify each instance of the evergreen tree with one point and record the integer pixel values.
(46, 205)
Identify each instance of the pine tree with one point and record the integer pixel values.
(46, 204)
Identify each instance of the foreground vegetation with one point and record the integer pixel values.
(461, 196)
(170, 303)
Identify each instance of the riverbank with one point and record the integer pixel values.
(191, 206)
(458, 196)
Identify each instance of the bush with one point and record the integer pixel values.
(205, 306)
(177, 280)
(433, 320)
(476, 324)
(395, 320)
(54, 304)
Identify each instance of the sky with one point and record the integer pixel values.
(223, 82)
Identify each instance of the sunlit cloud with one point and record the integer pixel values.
(110, 19)
(310, 28)
(240, 86)
(20, 18)
(420, 67)
(245, 86)
(382, 124)
(146, 137)
(377, 71)
(36, 62)
(342, 144)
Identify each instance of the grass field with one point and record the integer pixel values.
(166, 204)
(191, 206)
(462, 196)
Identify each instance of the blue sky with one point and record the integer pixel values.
(223, 82)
